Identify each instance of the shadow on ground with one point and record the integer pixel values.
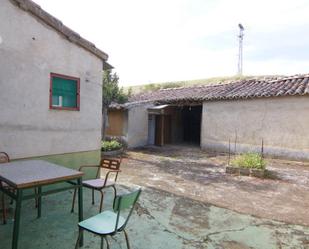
(161, 220)
(187, 202)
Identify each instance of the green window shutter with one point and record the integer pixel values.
(67, 89)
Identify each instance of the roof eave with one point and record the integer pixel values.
(72, 36)
(107, 66)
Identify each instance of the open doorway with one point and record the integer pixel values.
(191, 119)
(169, 124)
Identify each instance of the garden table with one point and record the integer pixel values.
(22, 175)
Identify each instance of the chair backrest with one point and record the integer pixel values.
(125, 201)
(110, 163)
(4, 157)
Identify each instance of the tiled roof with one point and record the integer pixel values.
(34, 9)
(242, 89)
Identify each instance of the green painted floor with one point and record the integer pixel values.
(161, 221)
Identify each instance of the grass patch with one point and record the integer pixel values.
(249, 160)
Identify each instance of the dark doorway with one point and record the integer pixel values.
(192, 116)
(167, 129)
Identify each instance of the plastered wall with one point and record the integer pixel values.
(138, 126)
(281, 122)
(29, 51)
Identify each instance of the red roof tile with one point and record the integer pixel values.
(242, 89)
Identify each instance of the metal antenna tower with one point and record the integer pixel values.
(241, 37)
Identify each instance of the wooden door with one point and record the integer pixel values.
(163, 130)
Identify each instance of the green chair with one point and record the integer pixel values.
(109, 223)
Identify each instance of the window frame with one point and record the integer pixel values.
(62, 76)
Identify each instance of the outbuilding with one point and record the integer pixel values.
(243, 113)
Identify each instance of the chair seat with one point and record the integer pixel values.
(103, 223)
(97, 183)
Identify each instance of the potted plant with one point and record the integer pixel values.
(111, 148)
(247, 164)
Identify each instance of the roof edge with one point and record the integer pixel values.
(295, 85)
(72, 36)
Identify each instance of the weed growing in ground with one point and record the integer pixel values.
(249, 160)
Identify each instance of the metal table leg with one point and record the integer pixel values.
(19, 193)
(80, 209)
(39, 202)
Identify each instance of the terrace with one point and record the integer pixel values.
(187, 202)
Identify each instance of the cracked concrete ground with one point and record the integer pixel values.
(187, 202)
(196, 224)
(198, 175)
(161, 220)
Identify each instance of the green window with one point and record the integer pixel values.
(64, 92)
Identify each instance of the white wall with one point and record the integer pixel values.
(138, 126)
(29, 51)
(281, 122)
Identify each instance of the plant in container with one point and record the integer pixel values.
(111, 148)
(249, 164)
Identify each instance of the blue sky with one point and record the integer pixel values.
(166, 40)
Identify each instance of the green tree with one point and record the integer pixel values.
(111, 93)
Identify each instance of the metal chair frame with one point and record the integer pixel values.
(112, 166)
(4, 158)
(121, 202)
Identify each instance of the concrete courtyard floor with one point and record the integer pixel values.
(187, 202)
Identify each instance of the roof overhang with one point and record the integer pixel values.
(157, 110)
(107, 66)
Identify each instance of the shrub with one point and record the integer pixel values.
(249, 160)
(110, 145)
(120, 139)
